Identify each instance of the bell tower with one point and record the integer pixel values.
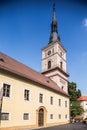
(54, 57)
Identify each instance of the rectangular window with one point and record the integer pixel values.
(26, 94)
(51, 116)
(59, 102)
(41, 98)
(51, 100)
(4, 116)
(6, 90)
(59, 116)
(65, 103)
(26, 116)
(66, 116)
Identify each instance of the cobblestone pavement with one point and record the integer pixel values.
(73, 126)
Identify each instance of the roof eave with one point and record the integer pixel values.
(24, 76)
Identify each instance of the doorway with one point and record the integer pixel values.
(41, 117)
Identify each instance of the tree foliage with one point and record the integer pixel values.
(74, 93)
(76, 109)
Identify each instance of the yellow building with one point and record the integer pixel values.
(29, 99)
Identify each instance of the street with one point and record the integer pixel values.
(73, 126)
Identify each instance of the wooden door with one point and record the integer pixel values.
(41, 117)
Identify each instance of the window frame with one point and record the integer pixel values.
(59, 116)
(51, 116)
(61, 64)
(49, 64)
(51, 100)
(66, 116)
(6, 91)
(28, 114)
(40, 97)
(66, 103)
(5, 118)
(26, 95)
(59, 102)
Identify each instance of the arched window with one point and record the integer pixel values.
(49, 64)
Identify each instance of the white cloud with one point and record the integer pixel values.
(84, 22)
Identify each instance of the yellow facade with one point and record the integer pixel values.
(15, 105)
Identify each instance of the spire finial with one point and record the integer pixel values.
(54, 12)
(54, 7)
(54, 33)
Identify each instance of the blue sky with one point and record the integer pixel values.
(25, 30)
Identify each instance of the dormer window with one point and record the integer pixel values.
(1, 59)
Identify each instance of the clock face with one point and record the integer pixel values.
(49, 52)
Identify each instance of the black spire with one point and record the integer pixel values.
(54, 33)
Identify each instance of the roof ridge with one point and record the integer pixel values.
(82, 98)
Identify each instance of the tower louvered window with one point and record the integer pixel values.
(49, 64)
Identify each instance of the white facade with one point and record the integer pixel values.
(84, 105)
(56, 54)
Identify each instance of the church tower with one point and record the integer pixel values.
(54, 57)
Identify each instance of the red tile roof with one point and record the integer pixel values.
(82, 98)
(15, 67)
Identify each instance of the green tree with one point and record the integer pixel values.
(78, 93)
(76, 109)
(74, 93)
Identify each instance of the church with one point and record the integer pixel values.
(29, 99)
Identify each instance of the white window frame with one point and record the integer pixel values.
(51, 116)
(42, 97)
(10, 89)
(28, 116)
(39, 96)
(51, 100)
(9, 116)
(66, 104)
(66, 116)
(59, 116)
(59, 102)
(26, 88)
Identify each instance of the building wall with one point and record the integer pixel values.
(57, 58)
(57, 55)
(15, 105)
(84, 105)
(59, 78)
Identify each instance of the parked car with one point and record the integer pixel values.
(85, 121)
